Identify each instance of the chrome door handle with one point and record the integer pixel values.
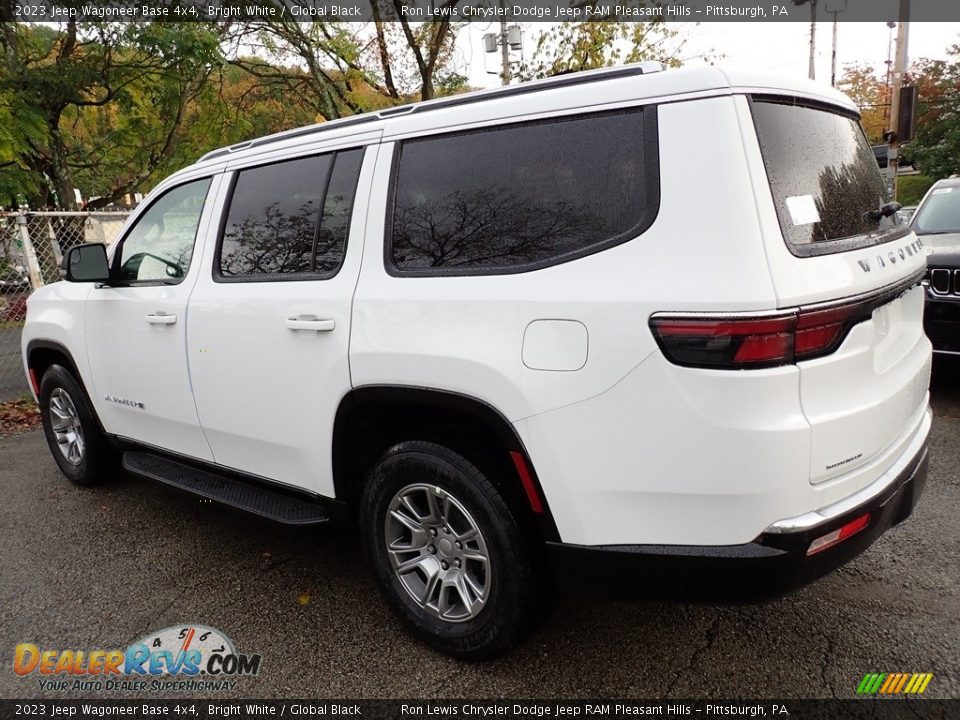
(161, 318)
(310, 322)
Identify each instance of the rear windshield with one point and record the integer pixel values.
(940, 212)
(823, 176)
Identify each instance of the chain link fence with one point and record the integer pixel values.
(32, 246)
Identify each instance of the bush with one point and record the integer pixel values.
(911, 188)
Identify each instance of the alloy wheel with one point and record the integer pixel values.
(437, 552)
(66, 425)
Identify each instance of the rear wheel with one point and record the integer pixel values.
(76, 441)
(447, 551)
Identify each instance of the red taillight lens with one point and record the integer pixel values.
(727, 342)
(815, 339)
(754, 342)
(764, 347)
(820, 331)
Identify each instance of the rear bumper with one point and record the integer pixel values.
(772, 564)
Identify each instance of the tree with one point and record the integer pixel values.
(20, 127)
(871, 95)
(343, 68)
(935, 150)
(105, 102)
(232, 106)
(429, 45)
(575, 46)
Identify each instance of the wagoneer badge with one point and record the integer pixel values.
(124, 401)
(903, 252)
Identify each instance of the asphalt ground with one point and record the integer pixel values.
(97, 569)
(13, 381)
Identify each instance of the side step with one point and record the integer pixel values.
(272, 504)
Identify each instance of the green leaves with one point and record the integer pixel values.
(935, 150)
(21, 129)
(101, 104)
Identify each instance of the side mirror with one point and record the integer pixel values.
(87, 263)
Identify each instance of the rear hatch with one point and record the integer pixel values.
(835, 245)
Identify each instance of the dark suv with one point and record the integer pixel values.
(937, 222)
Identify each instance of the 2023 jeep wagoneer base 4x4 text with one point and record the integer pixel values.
(616, 315)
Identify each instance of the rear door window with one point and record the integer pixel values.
(290, 219)
(824, 178)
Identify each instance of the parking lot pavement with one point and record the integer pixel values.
(13, 382)
(99, 568)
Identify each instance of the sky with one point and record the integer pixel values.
(780, 48)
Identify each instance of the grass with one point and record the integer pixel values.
(912, 188)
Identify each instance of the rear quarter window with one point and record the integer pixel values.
(823, 176)
(522, 196)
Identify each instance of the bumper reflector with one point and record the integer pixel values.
(839, 535)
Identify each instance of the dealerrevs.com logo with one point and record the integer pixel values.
(187, 658)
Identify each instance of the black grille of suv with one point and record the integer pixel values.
(944, 281)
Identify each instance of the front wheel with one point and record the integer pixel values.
(447, 551)
(76, 441)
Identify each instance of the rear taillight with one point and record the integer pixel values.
(820, 332)
(726, 342)
(739, 342)
(742, 341)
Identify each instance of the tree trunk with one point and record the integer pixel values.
(60, 173)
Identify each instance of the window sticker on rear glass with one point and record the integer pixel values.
(941, 191)
(803, 209)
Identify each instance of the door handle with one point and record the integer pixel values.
(310, 322)
(161, 318)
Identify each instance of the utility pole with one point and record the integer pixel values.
(813, 39)
(835, 7)
(504, 45)
(889, 80)
(833, 55)
(509, 38)
(900, 67)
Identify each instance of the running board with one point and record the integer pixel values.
(273, 504)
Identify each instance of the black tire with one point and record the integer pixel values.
(97, 462)
(507, 611)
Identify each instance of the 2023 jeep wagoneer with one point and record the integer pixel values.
(615, 315)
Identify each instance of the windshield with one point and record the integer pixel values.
(824, 178)
(939, 213)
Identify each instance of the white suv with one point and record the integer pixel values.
(626, 316)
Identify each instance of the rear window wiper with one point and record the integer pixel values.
(886, 210)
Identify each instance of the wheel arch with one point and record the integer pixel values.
(41, 354)
(371, 418)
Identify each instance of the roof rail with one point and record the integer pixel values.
(557, 81)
